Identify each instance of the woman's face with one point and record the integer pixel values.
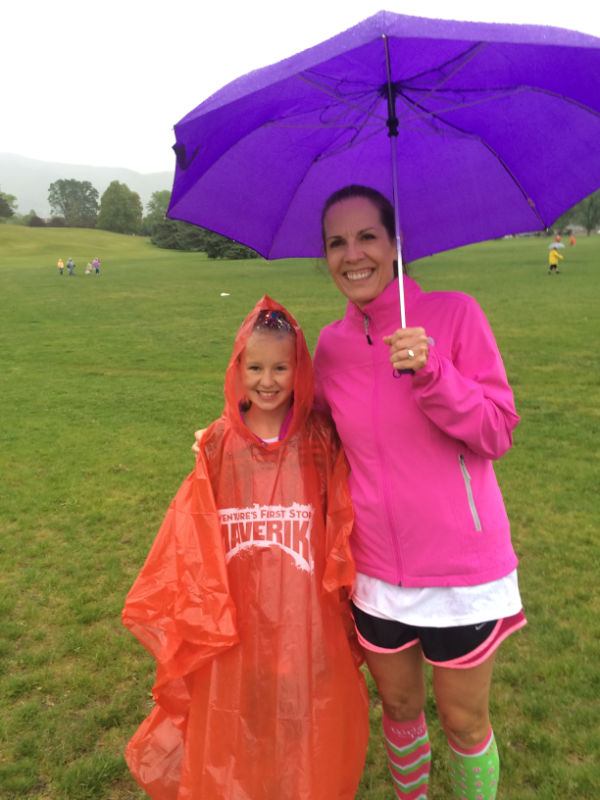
(359, 252)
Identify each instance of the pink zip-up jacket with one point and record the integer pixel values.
(428, 509)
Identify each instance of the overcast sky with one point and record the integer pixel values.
(103, 83)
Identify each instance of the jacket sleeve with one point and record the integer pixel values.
(467, 396)
(179, 607)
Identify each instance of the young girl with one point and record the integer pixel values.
(243, 598)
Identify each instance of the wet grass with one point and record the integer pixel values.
(104, 380)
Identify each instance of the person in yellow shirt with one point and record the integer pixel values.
(553, 258)
(61, 265)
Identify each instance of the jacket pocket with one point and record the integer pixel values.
(469, 490)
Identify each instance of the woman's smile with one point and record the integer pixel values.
(359, 275)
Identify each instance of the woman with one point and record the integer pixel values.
(421, 412)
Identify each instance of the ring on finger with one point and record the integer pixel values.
(411, 353)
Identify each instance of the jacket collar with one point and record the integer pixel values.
(385, 308)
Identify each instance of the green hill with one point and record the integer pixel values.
(44, 246)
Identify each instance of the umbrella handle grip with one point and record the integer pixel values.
(398, 373)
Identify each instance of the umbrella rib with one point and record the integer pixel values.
(504, 166)
(347, 145)
(330, 126)
(513, 177)
(496, 155)
(413, 105)
(359, 127)
(337, 97)
(465, 57)
(281, 123)
(503, 91)
(318, 157)
(283, 218)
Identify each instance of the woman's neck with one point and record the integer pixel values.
(265, 424)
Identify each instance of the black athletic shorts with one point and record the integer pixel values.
(459, 646)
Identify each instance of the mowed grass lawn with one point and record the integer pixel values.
(104, 380)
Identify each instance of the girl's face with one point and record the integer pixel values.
(359, 252)
(269, 369)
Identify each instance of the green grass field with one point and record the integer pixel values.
(104, 381)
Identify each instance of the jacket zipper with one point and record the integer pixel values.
(470, 498)
(366, 326)
(387, 491)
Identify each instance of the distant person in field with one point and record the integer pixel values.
(89, 269)
(553, 258)
(243, 600)
(572, 240)
(71, 266)
(96, 265)
(61, 266)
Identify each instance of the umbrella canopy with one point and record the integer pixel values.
(555, 245)
(494, 129)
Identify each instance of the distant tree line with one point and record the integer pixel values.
(8, 205)
(77, 204)
(585, 213)
(173, 234)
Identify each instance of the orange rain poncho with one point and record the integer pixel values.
(243, 603)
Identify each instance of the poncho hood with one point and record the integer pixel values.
(303, 382)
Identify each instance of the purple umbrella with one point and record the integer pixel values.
(475, 130)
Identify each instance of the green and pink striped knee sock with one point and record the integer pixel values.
(475, 772)
(409, 755)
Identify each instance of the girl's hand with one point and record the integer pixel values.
(409, 348)
(197, 437)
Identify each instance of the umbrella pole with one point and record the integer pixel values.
(398, 238)
(392, 123)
